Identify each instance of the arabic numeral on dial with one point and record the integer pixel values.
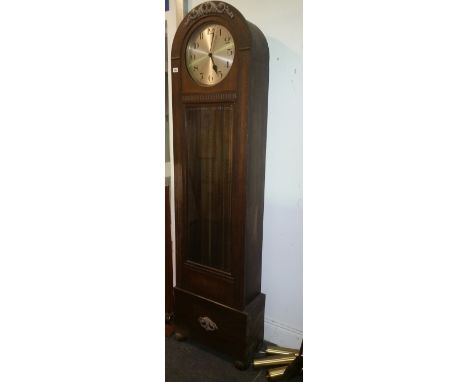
(195, 45)
(201, 75)
(227, 39)
(227, 64)
(229, 51)
(220, 74)
(195, 67)
(201, 36)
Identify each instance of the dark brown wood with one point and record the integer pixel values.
(209, 130)
(219, 160)
(180, 336)
(237, 333)
(169, 330)
(168, 257)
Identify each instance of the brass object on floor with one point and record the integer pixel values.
(276, 372)
(281, 350)
(274, 360)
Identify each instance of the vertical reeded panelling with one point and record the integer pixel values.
(208, 133)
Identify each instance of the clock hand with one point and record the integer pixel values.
(214, 65)
(212, 39)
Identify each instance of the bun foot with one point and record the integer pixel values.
(180, 336)
(241, 365)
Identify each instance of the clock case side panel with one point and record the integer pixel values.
(255, 161)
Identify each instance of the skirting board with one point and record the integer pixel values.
(282, 334)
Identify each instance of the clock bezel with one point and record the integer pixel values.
(195, 29)
(205, 21)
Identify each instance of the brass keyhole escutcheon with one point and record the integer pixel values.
(207, 324)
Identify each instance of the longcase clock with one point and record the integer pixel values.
(220, 97)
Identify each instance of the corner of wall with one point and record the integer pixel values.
(282, 334)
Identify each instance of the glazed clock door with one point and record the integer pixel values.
(209, 133)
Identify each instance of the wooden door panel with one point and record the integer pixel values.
(209, 130)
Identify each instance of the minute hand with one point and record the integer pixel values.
(212, 40)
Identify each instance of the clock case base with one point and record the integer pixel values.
(239, 332)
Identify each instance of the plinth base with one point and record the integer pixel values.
(237, 333)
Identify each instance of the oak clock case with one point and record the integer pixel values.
(219, 120)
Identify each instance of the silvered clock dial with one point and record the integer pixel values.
(209, 54)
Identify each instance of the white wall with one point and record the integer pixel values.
(281, 22)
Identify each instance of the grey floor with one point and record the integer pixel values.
(190, 362)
